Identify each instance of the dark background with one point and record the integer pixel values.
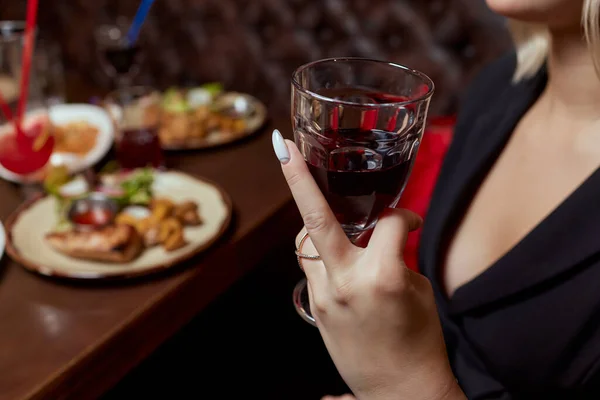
(254, 45)
(250, 343)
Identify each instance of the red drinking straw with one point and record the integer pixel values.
(32, 6)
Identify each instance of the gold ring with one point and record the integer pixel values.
(300, 255)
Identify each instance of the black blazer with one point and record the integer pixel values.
(529, 326)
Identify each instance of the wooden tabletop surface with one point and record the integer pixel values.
(74, 340)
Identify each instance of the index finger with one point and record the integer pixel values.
(323, 228)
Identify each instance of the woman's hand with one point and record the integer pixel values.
(377, 318)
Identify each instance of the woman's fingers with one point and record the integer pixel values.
(314, 269)
(389, 236)
(299, 236)
(325, 232)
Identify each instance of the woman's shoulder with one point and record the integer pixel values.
(485, 88)
(486, 93)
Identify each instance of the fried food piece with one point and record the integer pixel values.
(146, 227)
(161, 209)
(187, 213)
(149, 230)
(226, 125)
(198, 117)
(201, 113)
(169, 227)
(115, 243)
(151, 236)
(212, 122)
(152, 114)
(239, 126)
(175, 241)
(126, 219)
(176, 126)
(161, 202)
(171, 234)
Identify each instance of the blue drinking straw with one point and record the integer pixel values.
(138, 21)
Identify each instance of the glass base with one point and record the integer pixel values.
(354, 231)
(302, 303)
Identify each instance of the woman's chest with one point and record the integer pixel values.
(530, 180)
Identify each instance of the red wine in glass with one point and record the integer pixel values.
(361, 180)
(140, 148)
(362, 170)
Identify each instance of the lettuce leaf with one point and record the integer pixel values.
(213, 88)
(138, 187)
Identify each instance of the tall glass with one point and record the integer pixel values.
(136, 112)
(358, 124)
(22, 157)
(50, 71)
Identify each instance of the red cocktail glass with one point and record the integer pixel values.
(25, 145)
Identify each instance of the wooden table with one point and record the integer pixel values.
(61, 340)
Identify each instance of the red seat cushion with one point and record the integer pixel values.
(417, 194)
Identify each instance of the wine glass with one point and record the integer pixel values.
(119, 58)
(358, 123)
(22, 157)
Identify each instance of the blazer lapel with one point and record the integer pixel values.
(558, 247)
(476, 157)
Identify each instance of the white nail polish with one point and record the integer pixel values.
(281, 150)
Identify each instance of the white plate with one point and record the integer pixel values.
(63, 114)
(29, 224)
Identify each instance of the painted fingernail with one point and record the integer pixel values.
(281, 150)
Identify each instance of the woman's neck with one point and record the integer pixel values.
(573, 83)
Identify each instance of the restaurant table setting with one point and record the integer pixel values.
(114, 197)
(97, 218)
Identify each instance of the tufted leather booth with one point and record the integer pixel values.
(254, 45)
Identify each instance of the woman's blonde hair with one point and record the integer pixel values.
(533, 41)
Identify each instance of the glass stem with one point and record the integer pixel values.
(123, 82)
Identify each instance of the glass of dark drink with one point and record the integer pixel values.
(359, 124)
(136, 113)
(119, 58)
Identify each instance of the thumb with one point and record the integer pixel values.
(391, 231)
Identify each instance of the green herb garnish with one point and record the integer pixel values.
(138, 187)
(173, 101)
(214, 88)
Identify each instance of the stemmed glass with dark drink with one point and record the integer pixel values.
(119, 58)
(359, 124)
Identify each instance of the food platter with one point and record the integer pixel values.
(254, 120)
(29, 227)
(84, 133)
(203, 117)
